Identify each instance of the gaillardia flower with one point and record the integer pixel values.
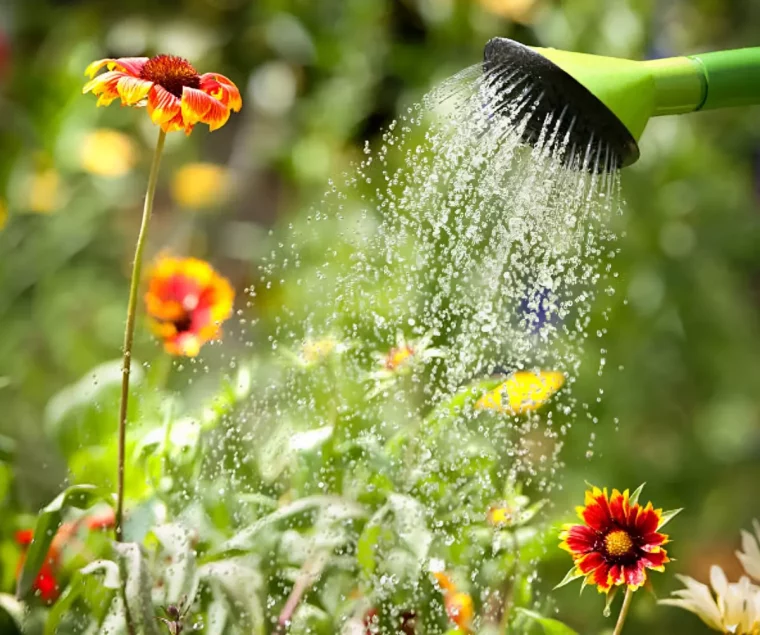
(177, 97)
(187, 301)
(617, 541)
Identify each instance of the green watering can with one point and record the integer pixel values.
(602, 104)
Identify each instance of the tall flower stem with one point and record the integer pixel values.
(623, 611)
(129, 332)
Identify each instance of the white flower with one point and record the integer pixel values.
(734, 609)
(750, 556)
(401, 360)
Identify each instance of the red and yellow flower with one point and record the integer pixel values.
(187, 301)
(617, 541)
(458, 604)
(176, 96)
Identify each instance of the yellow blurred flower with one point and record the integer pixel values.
(107, 152)
(200, 185)
(3, 214)
(522, 11)
(43, 191)
(521, 392)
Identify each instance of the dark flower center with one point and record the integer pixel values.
(618, 543)
(184, 323)
(171, 72)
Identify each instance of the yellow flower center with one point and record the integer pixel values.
(397, 357)
(618, 543)
(171, 72)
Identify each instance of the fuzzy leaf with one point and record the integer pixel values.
(48, 522)
(138, 587)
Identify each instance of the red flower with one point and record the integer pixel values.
(617, 542)
(45, 583)
(188, 301)
(177, 97)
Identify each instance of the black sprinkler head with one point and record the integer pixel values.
(596, 138)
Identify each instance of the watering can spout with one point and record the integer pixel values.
(613, 99)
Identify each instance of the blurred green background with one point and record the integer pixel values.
(680, 408)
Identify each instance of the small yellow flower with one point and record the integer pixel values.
(521, 392)
(200, 185)
(522, 11)
(107, 152)
(43, 191)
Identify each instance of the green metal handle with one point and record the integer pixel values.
(732, 78)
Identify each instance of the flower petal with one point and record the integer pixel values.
(164, 108)
(105, 86)
(133, 90)
(197, 107)
(635, 575)
(580, 539)
(221, 88)
(129, 65)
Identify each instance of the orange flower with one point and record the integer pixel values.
(188, 301)
(617, 541)
(177, 97)
(458, 605)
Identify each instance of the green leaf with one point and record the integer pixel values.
(634, 498)
(76, 588)
(365, 548)
(668, 516)
(239, 582)
(48, 522)
(11, 615)
(246, 539)
(464, 398)
(571, 575)
(138, 587)
(550, 626)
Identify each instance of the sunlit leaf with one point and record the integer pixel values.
(48, 522)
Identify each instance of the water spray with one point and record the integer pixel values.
(602, 104)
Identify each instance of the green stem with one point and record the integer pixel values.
(129, 332)
(623, 612)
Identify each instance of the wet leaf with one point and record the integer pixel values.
(667, 517)
(48, 522)
(11, 615)
(239, 582)
(180, 575)
(138, 587)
